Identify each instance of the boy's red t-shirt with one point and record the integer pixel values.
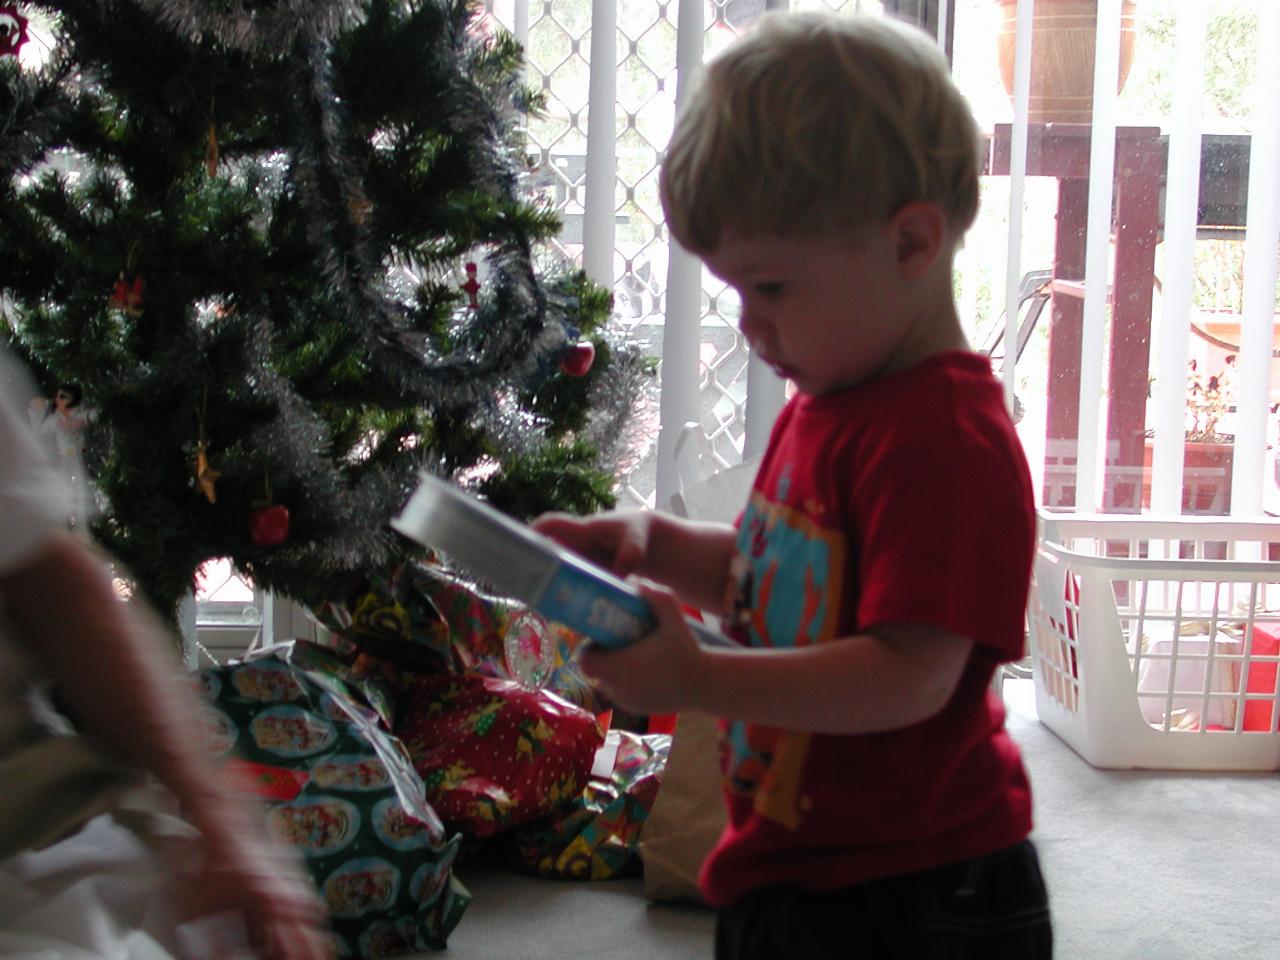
(902, 500)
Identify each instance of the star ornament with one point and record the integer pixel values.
(206, 476)
(13, 30)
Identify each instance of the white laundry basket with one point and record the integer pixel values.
(1154, 641)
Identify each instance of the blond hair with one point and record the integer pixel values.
(816, 123)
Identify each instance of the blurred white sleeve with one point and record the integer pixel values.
(34, 503)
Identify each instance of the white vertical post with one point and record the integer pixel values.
(520, 23)
(766, 393)
(1102, 162)
(187, 626)
(1262, 236)
(284, 620)
(681, 333)
(275, 619)
(944, 15)
(1017, 190)
(1181, 199)
(599, 204)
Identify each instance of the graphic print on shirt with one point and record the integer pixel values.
(787, 579)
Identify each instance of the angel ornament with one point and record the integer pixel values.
(60, 426)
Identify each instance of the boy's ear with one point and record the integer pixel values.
(919, 232)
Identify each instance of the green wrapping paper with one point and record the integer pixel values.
(596, 837)
(344, 793)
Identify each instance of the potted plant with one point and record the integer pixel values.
(1063, 34)
(1207, 453)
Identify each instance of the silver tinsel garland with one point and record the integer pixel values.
(522, 336)
(35, 105)
(258, 26)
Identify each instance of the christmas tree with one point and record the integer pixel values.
(283, 249)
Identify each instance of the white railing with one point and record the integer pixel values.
(1181, 200)
(1261, 240)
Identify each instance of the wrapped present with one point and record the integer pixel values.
(493, 753)
(597, 836)
(424, 618)
(343, 792)
(499, 637)
(474, 623)
(565, 677)
(368, 680)
(383, 616)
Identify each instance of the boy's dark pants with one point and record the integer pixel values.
(989, 908)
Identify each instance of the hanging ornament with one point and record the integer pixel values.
(13, 30)
(269, 525)
(206, 476)
(472, 286)
(268, 522)
(577, 360)
(126, 295)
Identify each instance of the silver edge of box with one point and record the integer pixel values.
(488, 545)
(493, 547)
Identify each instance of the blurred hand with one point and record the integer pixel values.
(618, 542)
(245, 872)
(663, 672)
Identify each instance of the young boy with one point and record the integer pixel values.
(827, 168)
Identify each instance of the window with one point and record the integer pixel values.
(1124, 265)
(229, 612)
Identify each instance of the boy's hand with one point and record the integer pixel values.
(663, 672)
(618, 542)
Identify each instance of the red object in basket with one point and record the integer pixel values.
(1262, 677)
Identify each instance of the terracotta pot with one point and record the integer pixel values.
(1063, 34)
(1206, 485)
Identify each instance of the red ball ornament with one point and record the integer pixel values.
(577, 359)
(13, 30)
(269, 525)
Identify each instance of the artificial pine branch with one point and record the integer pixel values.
(289, 190)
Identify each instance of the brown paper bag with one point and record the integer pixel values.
(688, 814)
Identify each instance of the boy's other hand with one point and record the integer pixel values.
(618, 542)
(662, 672)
